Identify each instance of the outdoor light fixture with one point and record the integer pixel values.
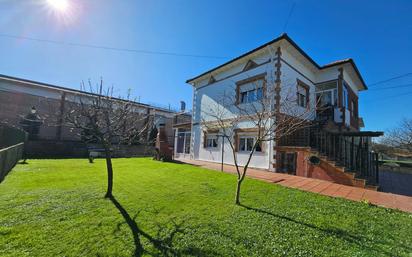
(314, 160)
(33, 110)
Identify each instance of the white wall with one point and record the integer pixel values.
(259, 160)
(210, 96)
(289, 84)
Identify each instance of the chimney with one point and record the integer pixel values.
(182, 106)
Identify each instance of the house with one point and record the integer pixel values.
(335, 150)
(23, 100)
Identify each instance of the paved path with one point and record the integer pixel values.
(322, 187)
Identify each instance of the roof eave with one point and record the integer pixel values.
(300, 50)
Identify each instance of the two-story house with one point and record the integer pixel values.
(335, 149)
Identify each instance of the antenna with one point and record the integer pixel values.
(288, 18)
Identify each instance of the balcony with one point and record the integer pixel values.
(335, 114)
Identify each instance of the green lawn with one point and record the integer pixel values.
(56, 208)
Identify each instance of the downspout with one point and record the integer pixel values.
(192, 134)
(340, 97)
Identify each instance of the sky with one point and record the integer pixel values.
(171, 41)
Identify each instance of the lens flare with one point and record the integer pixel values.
(63, 12)
(59, 5)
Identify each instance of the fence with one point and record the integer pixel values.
(9, 157)
(11, 148)
(348, 149)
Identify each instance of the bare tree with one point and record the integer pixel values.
(100, 118)
(401, 136)
(270, 115)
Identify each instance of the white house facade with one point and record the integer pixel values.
(282, 63)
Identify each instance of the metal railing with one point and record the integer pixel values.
(9, 157)
(349, 151)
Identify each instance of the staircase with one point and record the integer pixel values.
(347, 153)
(352, 176)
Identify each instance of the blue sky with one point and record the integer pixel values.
(377, 34)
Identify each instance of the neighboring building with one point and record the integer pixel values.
(23, 100)
(334, 86)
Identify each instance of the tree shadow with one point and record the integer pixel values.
(337, 232)
(163, 245)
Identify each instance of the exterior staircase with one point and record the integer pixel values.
(343, 155)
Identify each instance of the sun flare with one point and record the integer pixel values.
(59, 5)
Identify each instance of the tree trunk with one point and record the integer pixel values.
(109, 174)
(237, 198)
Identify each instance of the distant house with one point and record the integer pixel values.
(22, 101)
(335, 87)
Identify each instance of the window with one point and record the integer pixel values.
(302, 94)
(287, 162)
(251, 91)
(246, 144)
(345, 102)
(354, 113)
(211, 141)
(327, 94)
(327, 98)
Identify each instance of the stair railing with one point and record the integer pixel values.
(351, 152)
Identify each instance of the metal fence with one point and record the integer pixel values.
(11, 136)
(9, 157)
(11, 148)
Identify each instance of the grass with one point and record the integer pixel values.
(56, 208)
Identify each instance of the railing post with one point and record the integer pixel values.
(344, 152)
(352, 152)
(377, 167)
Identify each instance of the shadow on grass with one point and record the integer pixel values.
(336, 232)
(163, 245)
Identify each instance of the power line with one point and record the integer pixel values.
(289, 15)
(388, 97)
(397, 86)
(140, 51)
(390, 79)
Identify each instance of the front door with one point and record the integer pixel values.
(183, 144)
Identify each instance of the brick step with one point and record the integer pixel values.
(357, 182)
(372, 187)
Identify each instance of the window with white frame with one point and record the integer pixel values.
(246, 144)
(251, 91)
(327, 94)
(211, 141)
(302, 94)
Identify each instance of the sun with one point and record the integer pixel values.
(59, 5)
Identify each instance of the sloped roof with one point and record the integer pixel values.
(75, 91)
(284, 36)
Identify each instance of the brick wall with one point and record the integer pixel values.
(15, 105)
(54, 140)
(325, 170)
